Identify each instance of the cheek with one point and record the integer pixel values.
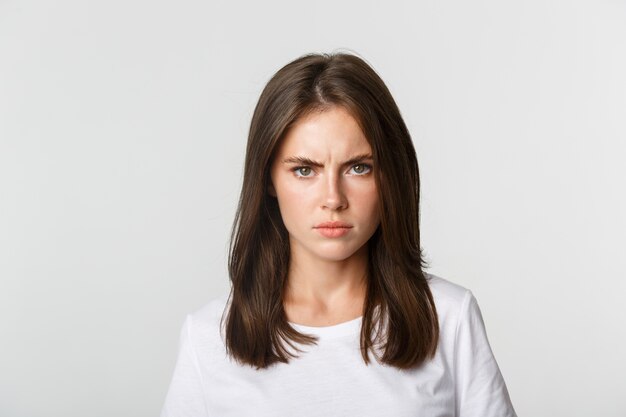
(293, 195)
(294, 203)
(367, 202)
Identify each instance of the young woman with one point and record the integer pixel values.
(330, 311)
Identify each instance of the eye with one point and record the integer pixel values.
(361, 169)
(303, 171)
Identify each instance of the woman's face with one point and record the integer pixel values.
(323, 172)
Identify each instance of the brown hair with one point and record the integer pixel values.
(258, 259)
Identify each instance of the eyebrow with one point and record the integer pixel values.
(307, 161)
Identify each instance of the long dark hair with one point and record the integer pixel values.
(397, 291)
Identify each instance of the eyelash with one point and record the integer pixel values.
(368, 169)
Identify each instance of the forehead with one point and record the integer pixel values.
(330, 132)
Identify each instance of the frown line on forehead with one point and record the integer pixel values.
(308, 161)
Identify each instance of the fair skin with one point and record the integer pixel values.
(323, 171)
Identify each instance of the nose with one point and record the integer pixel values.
(334, 197)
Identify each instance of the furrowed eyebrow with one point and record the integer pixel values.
(307, 161)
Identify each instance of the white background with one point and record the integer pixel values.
(122, 136)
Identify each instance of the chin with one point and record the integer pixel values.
(337, 254)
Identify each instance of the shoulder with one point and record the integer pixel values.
(446, 293)
(205, 324)
(451, 300)
(211, 310)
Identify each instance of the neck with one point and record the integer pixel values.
(324, 287)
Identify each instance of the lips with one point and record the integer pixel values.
(333, 229)
(333, 225)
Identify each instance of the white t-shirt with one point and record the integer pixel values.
(331, 378)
